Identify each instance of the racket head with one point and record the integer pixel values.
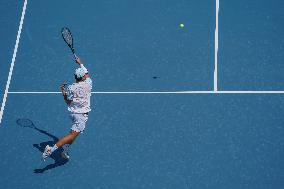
(24, 122)
(68, 38)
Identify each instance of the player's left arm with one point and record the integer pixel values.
(65, 95)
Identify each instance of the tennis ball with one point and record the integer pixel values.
(181, 25)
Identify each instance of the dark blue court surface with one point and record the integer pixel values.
(146, 140)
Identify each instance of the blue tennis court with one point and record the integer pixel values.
(193, 106)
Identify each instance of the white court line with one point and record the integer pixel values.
(165, 92)
(13, 61)
(216, 47)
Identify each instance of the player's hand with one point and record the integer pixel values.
(62, 88)
(78, 60)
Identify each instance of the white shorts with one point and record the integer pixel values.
(78, 122)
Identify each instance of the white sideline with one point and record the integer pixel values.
(13, 61)
(216, 47)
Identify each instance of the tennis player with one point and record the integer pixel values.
(77, 97)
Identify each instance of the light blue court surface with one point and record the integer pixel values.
(251, 45)
(9, 21)
(125, 43)
(146, 140)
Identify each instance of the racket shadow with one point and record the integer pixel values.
(56, 156)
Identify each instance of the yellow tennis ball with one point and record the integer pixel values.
(181, 25)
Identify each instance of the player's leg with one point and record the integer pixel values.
(68, 139)
(80, 120)
(66, 142)
(78, 126)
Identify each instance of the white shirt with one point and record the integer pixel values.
(80, 95)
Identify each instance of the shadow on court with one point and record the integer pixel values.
(56, 156)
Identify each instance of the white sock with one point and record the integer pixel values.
(54, 148)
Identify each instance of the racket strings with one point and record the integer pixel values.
(67, 37)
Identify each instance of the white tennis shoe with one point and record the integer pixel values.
(47, 152)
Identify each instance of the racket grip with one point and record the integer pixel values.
(75, 56)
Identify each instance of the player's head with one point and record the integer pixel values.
(80, 73)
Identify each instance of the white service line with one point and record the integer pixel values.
(13, 61)
(216, 47)
(165, 92)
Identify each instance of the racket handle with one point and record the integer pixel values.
(75, 56)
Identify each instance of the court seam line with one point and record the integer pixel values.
(162, 92)
(13, 60)
(216, 47)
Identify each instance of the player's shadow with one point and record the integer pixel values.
(56, 155)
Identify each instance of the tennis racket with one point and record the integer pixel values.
(26, 123)
(67, 36)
